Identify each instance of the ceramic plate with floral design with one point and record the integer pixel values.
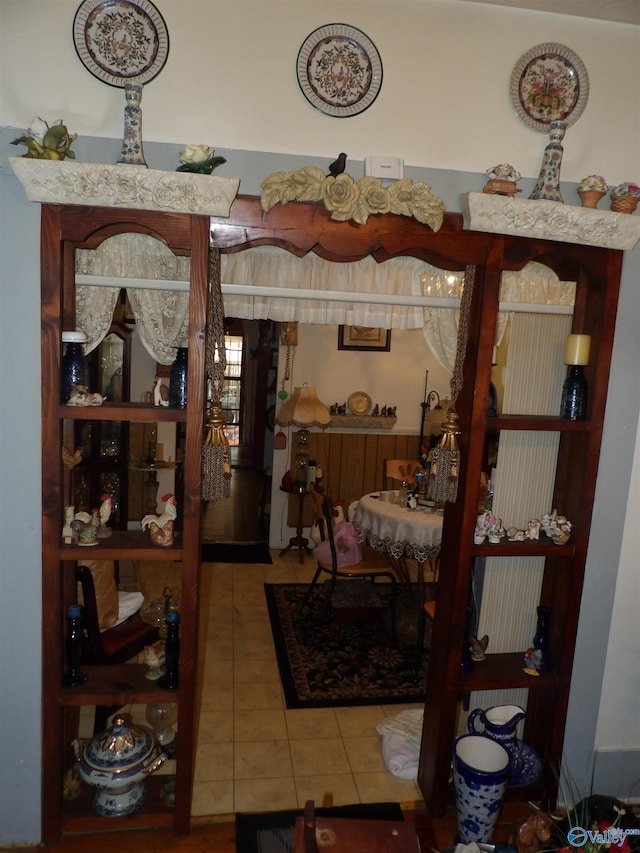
(121, 41)
(339, 70)
(549, 83)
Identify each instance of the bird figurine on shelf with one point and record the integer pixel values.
(85, 526)
(338, 166)
(161, 526)
(104, 514)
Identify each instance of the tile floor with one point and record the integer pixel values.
(252, 753)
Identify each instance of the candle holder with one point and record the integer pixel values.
(574, 391)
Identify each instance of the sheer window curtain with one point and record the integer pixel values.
(162, 314)
(535, 284)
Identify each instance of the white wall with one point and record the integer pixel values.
(394, 378)
(230, 82)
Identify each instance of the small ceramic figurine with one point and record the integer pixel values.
(67, 531)
(86, 526)
(479, 647)
(160, 393)
(154, 659)
(104, 514)
(533, 833)
(533, 529)
(502, 180)
(161, 526)
(81, 396)
(515, 535)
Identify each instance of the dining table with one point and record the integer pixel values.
(401, 532)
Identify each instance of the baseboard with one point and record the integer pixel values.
(616, 772)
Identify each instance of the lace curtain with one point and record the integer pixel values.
(162, 314)
(535, 284)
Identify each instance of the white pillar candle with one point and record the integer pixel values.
(577, 351)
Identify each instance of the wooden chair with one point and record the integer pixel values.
(372, 565)
(394, 471)
(115, 645)
(349, 835)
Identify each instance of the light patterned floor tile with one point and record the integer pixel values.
(256, 671)
(259, 725)
(268, 795)
(337, 788)
(384, 787)
(212, 798)
(357, 722)
(215, 727)
(214, 761)
(260, 760)
(318, 757)
(262, 696)
(365, 754)
(311, 723)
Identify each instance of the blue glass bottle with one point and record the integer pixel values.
(74, 675)
(171, 679)
(74, 365)
(574, 395)
(178, 380)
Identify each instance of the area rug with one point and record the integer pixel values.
(272, 832)
(236, 552)
(359, 664)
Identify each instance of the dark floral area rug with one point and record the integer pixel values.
(355, 663)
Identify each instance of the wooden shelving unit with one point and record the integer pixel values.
(63, 230)
(301, 228)
(596, 271)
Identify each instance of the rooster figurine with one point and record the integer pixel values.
(104, 514)
(161, 526)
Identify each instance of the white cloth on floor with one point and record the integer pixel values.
(401, 737)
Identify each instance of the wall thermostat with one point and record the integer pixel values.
(389, 168)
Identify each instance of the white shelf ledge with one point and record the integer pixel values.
(122, 186)
(549, 220)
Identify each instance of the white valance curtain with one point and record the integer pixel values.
(162, 314)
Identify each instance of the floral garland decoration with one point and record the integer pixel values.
(347, 198)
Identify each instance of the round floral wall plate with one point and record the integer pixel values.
(549, 83)
(121, 41)
(339, 70)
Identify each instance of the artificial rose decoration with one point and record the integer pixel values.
(348, 199)
(199, 158)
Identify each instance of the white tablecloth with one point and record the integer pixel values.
(415, 533)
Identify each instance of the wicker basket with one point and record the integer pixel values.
(624, 203)
(590, 198)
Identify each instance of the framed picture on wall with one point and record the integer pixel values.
(364, 338)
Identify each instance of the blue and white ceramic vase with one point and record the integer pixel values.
(481, 770)
(548, 183)
(499, 723)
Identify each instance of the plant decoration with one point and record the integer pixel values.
(597, 824)
(626, 190)
(200, 159)
(593, 182)
(47, 143)
(348, 199)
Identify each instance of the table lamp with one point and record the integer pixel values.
(303, 409)
(574, 390)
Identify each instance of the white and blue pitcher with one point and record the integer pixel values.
(499, 723)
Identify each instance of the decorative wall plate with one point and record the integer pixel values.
(359, 403)
(121, 41)
(549, 83)
(339, 70)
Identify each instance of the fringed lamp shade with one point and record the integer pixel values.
(303, 409)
